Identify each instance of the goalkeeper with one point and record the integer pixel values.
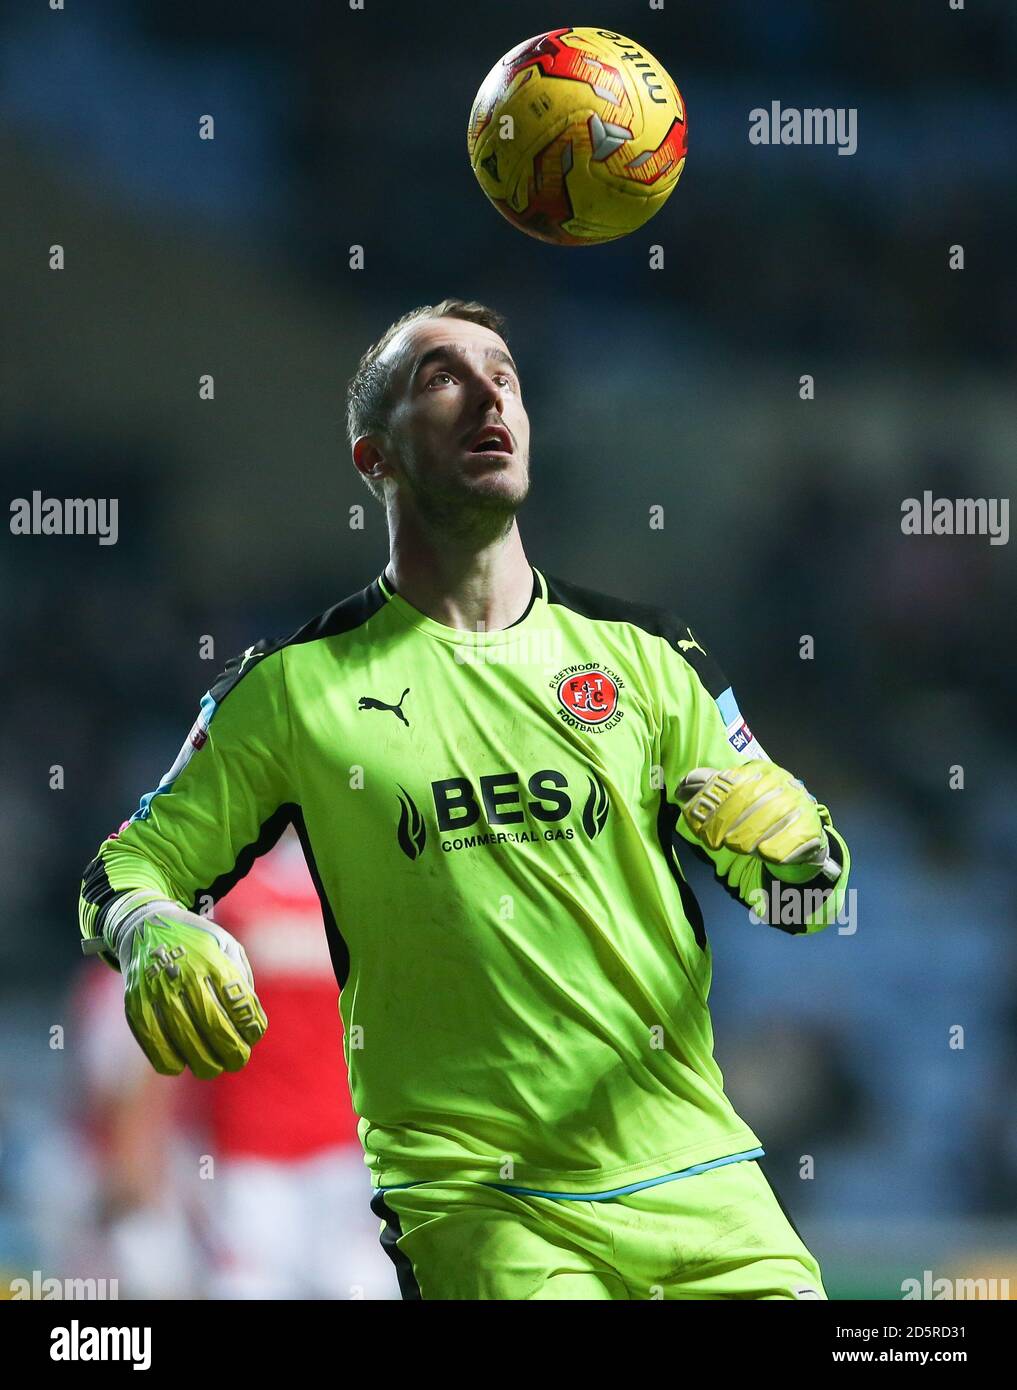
(496, 777)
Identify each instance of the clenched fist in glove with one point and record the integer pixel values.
(188, 989)
(757, 808)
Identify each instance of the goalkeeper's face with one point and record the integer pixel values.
(458, 437)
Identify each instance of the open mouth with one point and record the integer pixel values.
(494, 440)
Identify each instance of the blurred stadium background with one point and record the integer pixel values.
(679, 387)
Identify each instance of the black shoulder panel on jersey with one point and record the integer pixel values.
(344, 616)
(658, 622)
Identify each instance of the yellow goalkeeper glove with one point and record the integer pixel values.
(757, 808)
(188, 988)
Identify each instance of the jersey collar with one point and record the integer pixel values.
(463, 636)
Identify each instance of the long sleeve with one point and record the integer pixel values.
(226, 799)
(702, 726)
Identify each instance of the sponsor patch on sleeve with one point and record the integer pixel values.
(196, 739)
(739, 735)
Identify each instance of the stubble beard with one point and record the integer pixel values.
(463, 512)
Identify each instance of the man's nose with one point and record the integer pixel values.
(487, 389)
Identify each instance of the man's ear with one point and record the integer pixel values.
(369, 457)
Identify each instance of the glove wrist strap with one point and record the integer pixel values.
(125, 916)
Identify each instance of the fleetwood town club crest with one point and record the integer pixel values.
(588, 696)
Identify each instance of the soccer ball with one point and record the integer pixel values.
(578, 136)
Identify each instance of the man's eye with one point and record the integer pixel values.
(503, 377)
(437, 375)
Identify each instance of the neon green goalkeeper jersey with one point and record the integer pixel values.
(491, 822)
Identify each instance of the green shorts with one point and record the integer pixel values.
(722, 1233)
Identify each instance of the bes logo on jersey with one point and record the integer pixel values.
(502, 808)
(588, 696)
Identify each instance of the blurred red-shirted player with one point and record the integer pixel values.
(289, 1212)
(283, 1210)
